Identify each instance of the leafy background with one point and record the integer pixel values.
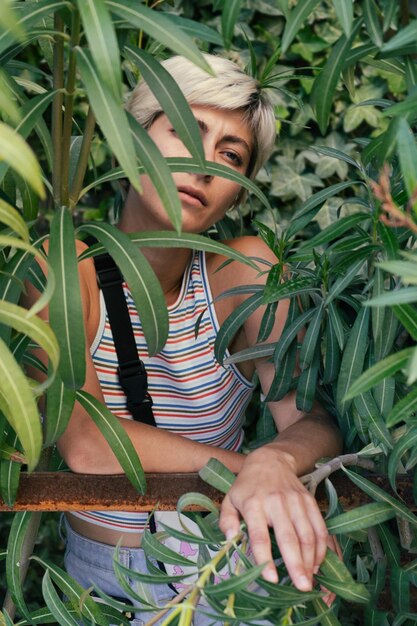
(342, 76)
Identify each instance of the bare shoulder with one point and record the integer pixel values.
(229, 275)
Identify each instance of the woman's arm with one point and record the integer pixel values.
(267, 492)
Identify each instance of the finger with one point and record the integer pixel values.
(229, 520)
(321, 533)
(305, 533)
(260, 542)
(289, 545)
(329, 597)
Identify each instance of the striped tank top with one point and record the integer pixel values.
(192, 394)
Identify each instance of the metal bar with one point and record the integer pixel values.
(65, 491)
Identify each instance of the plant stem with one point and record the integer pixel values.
(404, 12)
(58, 83)
(195, 589)
(69, 106)
(313, 479)
(83, 159)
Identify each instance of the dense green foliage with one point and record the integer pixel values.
(343, 78)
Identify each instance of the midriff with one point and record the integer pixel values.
(103, 535)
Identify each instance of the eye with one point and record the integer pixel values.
(234, 157)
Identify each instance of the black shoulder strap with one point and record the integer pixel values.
(131, 370)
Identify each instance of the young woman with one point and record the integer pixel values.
(199, 406)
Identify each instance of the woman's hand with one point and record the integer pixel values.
(267, 493)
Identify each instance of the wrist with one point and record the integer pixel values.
(276, 454)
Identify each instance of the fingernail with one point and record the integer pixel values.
(270, 575)
(305, 583)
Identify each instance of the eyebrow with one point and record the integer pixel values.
(227, 138)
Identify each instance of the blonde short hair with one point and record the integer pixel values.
(230, 88)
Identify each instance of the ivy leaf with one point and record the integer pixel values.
(288, 181)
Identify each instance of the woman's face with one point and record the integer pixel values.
(227, 140)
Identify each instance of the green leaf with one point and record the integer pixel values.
(380, 495)
(324, 613)
(402, 39)
(116, 437)
(73, 590)
(230, 14)
(110, 115)
(158, 171)
(332, 355)
(295, 21)
(408, 441)
(407, 315)
(336, 324)
(378, 312)
(344, 12)
(29, 15)
(171, 99)
(407, 154)
(217, 475)
(307, 384)
(11, 217)
(157, 550)
(162, 29)
(101, 37)
(373, 26)
(233, 584)
(283, 375)
(168, 239)
(15, 547)
(289, 334)
(333, 152)
(148, 579)
(17, 317)
(22, 411)
(403, 409)
(368, 410)
(311, 337)
(197, 30)
(353, 359)
(361, 517)
(372, 376)
(335, 230)
(143, 284)
(65, 309)
(233, 322)
(60, 404)
(345, 280)
(55, 604)
(288, 289)
(16, 152)
(353, 592)
(324, 87)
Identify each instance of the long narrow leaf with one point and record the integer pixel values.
(230, 13)
(364, 516)
(16, 152)
(372, 376)
(403, 409)
(55, 604)
(65, 309)
(110, 115)
(295, 21)
(116, 437)
(22, 414)
(102, 41)
(143, 284)
(380, 495)
(344, 12)
(163, 30)
(217, 475)
(171, 99)
(232, 324)
(373, 26)
(15, 548)
(158, 171)
(353, 359)
(407, 154)
(326, 82)
(407, 442)
(308, 346)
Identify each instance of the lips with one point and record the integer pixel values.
(194, 193)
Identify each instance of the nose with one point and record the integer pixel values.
(204, 177)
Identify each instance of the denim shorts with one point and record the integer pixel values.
(91, 563)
